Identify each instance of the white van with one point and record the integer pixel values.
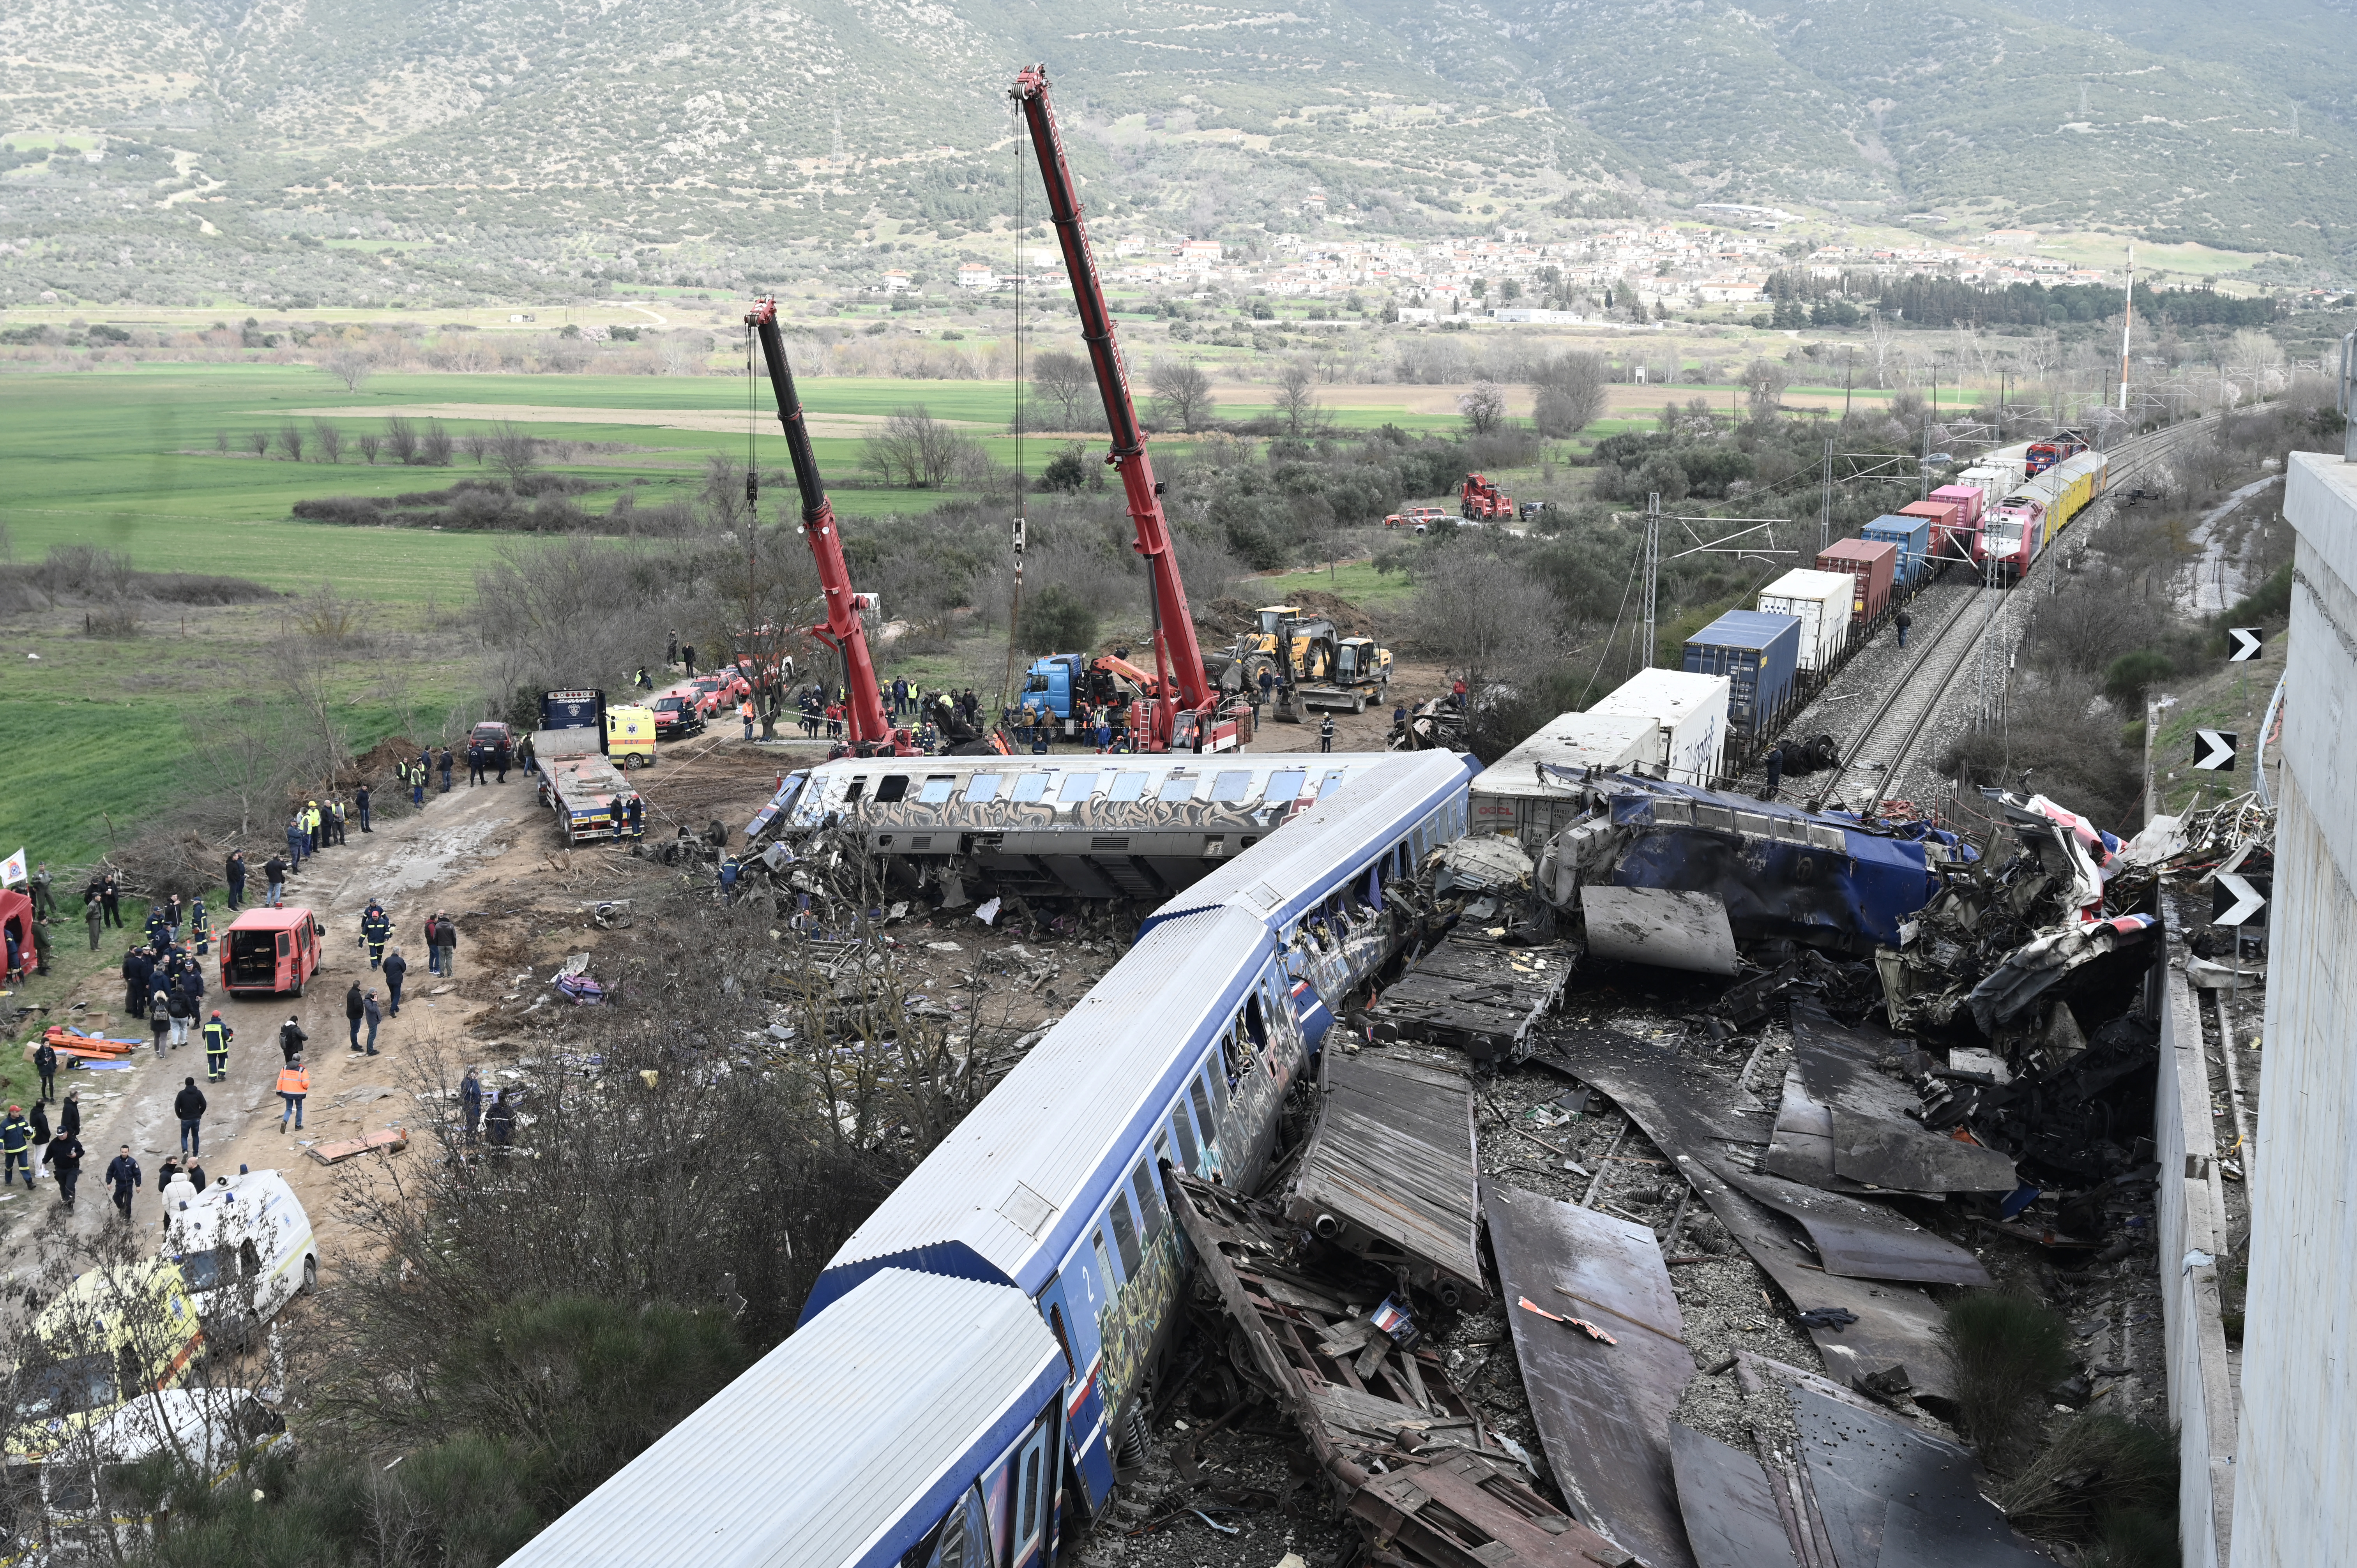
(218, 1431)
(244, 1247)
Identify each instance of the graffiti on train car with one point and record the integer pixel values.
(1041, 816)
(1127, 1324)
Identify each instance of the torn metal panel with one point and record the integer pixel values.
(1670, 931)
(1874, 1137)
(1473, 993)
(1389, 1171)
(1881, 1152)
(1893, 1496)
(1603, 1409)
(2033, 969)
(1408, 1456)
(1723, 1496)
(1866, 1240)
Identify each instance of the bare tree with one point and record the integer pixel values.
(1569, 393)
(368, 441)
(433, 445)
(1182, 393)
(1063, 380)
(1297, 396)
(258, 443)
(1483, 617)
(244, 757)
(401, 440)
(305, 672)
(922, 450)
(330, 440)
(573, 611)
(511, 449)
(684, 353)
(290, 441)
(1484, 408)
(348, 365)
(1880, 329)
(477, 444)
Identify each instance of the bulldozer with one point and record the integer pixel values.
(1310, 665)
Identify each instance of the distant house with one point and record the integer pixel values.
(2013, 239)
(1201, 251)
(897, 283)
(977, 278)
(1730, 293)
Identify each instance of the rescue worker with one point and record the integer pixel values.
(641, 681)
(64, 1157)
(294, 1083)
(728, 877)
(1775, 763)
(637, 810)
(376, 929)
(671, 651)
(45, 1063)
(1325, 732)
(234, 873)
(123, 1175)
(1268, 685)
(336, 818)
(41, 946)
(416, 783)
(311, 826)
(395, 969)
(273, 880)
(110, 899)
(291, 1038)
(374, 1015)
(1904, 621)
(138, 972)
(16, 1145)
(298, 840)
(218, 1035)
(44, 896)
(188, 1105)
(687, 659)
(525, 754)
(354, 1011)
(159, 927)
(361, 802)
(475, 774)
(93, 917)
(200, 928)
(498, 1123)
(745, 712)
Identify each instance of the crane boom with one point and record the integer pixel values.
(842, 630)
(1176, 651)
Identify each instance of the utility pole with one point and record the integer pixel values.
(1825, 518)
(1849, 364)
(1653, 571)
(2127, 319)
(1925, 472)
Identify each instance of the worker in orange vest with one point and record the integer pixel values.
(745, 712)
(294, 1083)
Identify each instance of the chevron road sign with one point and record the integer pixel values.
(2247, 900)
(2213, 750)
(2244, 643)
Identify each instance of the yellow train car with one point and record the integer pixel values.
(2073, 485)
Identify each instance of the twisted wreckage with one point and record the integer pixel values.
(1969, 1055)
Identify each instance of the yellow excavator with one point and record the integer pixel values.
(1311, 667)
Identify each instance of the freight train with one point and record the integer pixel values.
(971, 1361)
(2030, 514)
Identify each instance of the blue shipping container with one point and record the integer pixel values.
(1913, 537)
(1757, 654)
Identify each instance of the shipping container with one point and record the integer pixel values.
(1872, 563)
(1909, 527)
(1692, 713)
(1760, 655)
(1957, 543)
(1992, 481)
(1518, 794)
(1820, 601)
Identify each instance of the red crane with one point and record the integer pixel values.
(1193, 717)
(842, 630)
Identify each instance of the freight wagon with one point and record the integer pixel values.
(1820, 602)
(1518, 795)
(1691, 711)
(1872, 565)
(1909, 527)
(1760, 657)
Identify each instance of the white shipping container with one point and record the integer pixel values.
(1691, 710)
(1820, 601)
(1513, 795)
(1994, 480)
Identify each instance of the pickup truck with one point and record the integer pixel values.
(679, 713)
(1415, 517)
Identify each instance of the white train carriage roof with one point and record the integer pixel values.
(1179, 780)
(890, 1399)
(1007, 1194)
(1344, 832)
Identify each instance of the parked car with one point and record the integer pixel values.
(496, 735)
(678, 714)
(267, 951)
(1413, 516)
(245, 1248)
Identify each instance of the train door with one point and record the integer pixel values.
(1035, 1471)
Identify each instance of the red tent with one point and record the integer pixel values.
(17, 920)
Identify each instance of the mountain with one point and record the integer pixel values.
(444, 152)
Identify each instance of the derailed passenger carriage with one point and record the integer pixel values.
(1076, 825)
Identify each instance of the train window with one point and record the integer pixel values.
(1162, 1146)
(1078, 787)
(890, 788)
(936, 789)
(856, 787)
(1233, 785)
(1027, 1517)
(1186, 1131)
(1179, 786)
(1285, 786)
(951, 1553)
(1239, 1059)
(1105, 1263)
(1255, 1024)
(1030, 787)
(1331, 782)
(1149, 1200)
(982, 789)
(1203, 1111)
(1127, 786)
(1219, 1091)
(1124, 1233)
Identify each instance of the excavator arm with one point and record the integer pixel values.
(1176, 651)
(843, 631)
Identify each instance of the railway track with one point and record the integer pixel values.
(1900, 719)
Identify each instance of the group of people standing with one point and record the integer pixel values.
(27, 1144)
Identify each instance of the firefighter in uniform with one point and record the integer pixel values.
(217, 1036)
(16, 1143)
(376, 929)
(1325, 732)
(200, 928)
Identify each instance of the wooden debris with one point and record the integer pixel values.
(392, 1140)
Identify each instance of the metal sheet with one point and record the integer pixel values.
(1647, 925)
(1866, 1240)
(1900, 1154)
(1862, 1462)
(1730, 1515)
(1603, 1410)
(1390, 1163)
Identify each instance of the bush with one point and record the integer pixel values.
(1055, 620)
(2127, 677)
(2097, 1476)
(2006, 1350)
(359, 511)
(1066, 471)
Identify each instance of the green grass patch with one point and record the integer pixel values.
(1357, 581)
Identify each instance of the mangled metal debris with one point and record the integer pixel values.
(1667, 930)
(1727, 1504)
(1474, 992)
(1602, 1406)
(1388, 1171)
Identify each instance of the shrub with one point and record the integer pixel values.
(2006, 1350)
(360, 511)
(1056, 620)
(2097, 1475)
(2127, 677)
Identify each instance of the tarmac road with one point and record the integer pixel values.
(412, 864)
